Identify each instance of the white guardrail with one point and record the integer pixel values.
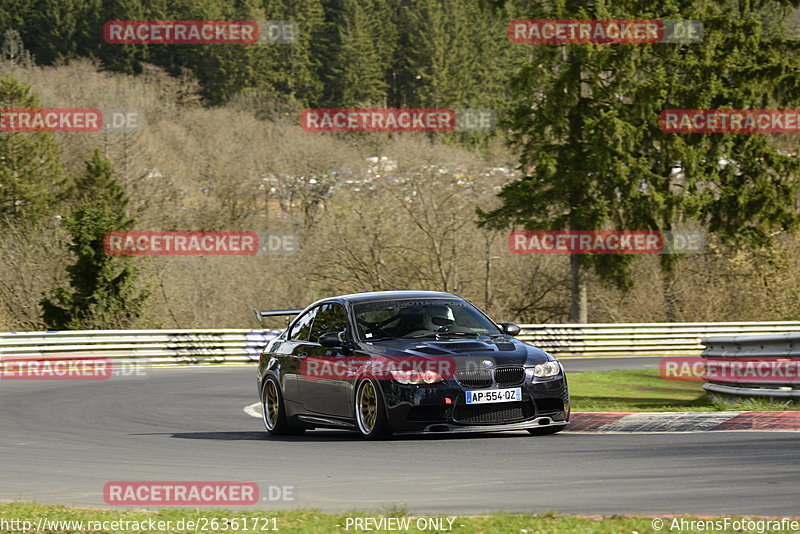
(148, 347)
(759, 350)
(640, 339)
(198, 347)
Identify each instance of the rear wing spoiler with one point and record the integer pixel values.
(260, 314)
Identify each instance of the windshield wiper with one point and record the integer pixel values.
(438, 335)
(476, 334)
(369, 340)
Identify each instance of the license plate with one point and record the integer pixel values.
(489, 396)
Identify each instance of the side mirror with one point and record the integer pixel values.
(512, 329)
(332, 339)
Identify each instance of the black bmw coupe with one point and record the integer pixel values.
(406, 362)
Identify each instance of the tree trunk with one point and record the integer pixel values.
(578, 312)
(487, 284)
(668, 282)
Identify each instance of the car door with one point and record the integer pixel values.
(296, 349)
(324, 387)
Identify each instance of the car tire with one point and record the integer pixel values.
(370, 411)
(546, 430)
(273, 410)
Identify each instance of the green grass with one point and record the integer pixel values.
(645, 391)
(311, 521)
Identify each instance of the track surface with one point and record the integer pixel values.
(62, 441)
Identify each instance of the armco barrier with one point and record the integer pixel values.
(772, 347)
(639, 339)
(156, 347)
(169, 347)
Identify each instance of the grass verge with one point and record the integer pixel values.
(646, 391)
(312, 521)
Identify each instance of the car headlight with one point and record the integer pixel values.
(546, 370)
(416, 377)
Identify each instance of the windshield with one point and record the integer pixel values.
(411, 318)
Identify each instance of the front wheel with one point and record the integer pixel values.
(546, 430)
(273, 410)
(371, 417)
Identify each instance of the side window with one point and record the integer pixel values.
(331, 318)
(302, 326)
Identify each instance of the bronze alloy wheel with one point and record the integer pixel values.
(273, 410)
(366, 407)
(271, 405)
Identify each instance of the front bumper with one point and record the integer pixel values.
(445, 428)
(442, 407)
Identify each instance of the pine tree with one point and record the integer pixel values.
(16, 15)
(356, 74)
(127, 58)
(455, 55)
(296, 67)
(102, 294)
(70, 27)
(588, 122)
(30, 163)
(99, 186)
(13, 50)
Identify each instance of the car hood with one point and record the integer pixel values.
(499, 350)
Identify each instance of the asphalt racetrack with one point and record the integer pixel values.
(61, 441)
